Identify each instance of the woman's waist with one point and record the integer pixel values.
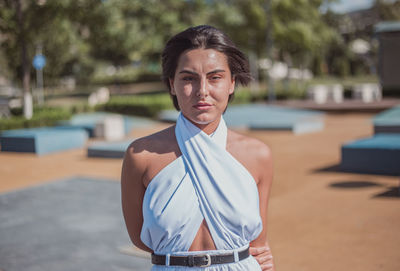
(201, 252)
(201, 258)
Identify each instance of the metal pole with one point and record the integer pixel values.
(39, 79)
(269, 41)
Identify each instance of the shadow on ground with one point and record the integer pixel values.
(391, 192)
(337, 168)
(353, 184)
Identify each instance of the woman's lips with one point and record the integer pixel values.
(202, 106)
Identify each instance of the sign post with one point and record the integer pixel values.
(39, 61)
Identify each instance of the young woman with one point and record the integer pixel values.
(195, 195)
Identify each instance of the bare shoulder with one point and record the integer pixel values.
(249, 146)
(254, 154)
(141, 150)
(145, 155)
(155, 143)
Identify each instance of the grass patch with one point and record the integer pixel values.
(42, 116)
(148, 105)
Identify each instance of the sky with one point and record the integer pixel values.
(343, 6)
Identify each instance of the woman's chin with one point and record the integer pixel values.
(202, 119)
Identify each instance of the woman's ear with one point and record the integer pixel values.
(232, 88)
(171, 86)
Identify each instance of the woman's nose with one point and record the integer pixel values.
(202, 88)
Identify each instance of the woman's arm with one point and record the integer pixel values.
(259, 247)
(132, 192)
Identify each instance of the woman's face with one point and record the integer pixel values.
(202, 85)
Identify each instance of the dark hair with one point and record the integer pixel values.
(206, 37)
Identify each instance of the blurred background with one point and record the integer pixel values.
(62, 51)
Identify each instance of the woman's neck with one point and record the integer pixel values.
(207, 128)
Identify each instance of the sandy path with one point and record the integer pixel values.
(319, 220)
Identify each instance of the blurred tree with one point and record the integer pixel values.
(300, 31)
(121, 31)
(337, 53)
(298, 28)
(77, 35)
(44, 23)
(15, 34)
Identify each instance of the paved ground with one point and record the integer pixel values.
(319, 219)
(68, 224)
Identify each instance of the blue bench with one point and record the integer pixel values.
(108, 149)
(274, 118)
(388, 121)
(42, 140)
(376, 155)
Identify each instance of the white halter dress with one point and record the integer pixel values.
(205, 182)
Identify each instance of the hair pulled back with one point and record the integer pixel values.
(203, 37)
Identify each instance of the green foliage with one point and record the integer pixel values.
(79, 36)
(124, 31)
(243, 96)
(148, 105)
(299, 29)
(43, 116)
(292, 90)
(284, 90)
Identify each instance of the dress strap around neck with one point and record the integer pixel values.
(186, 129)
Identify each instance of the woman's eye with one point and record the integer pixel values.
(188, 78)
(215, 77)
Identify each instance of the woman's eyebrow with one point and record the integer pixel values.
(215, 71)
(187, 71)
(195, 73)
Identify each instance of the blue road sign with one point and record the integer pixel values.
(39, 61)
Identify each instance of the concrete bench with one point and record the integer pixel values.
(108, 149)
(376, 155)
(110, 128)
(42, 140)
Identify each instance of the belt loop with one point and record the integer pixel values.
(236, 255)
(167, 257)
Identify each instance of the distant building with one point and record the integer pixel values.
(388, 34)
(359, 22)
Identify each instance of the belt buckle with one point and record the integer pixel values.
(208, 257)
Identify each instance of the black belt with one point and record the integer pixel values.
(199, 260)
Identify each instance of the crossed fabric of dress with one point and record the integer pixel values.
(205, 183)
